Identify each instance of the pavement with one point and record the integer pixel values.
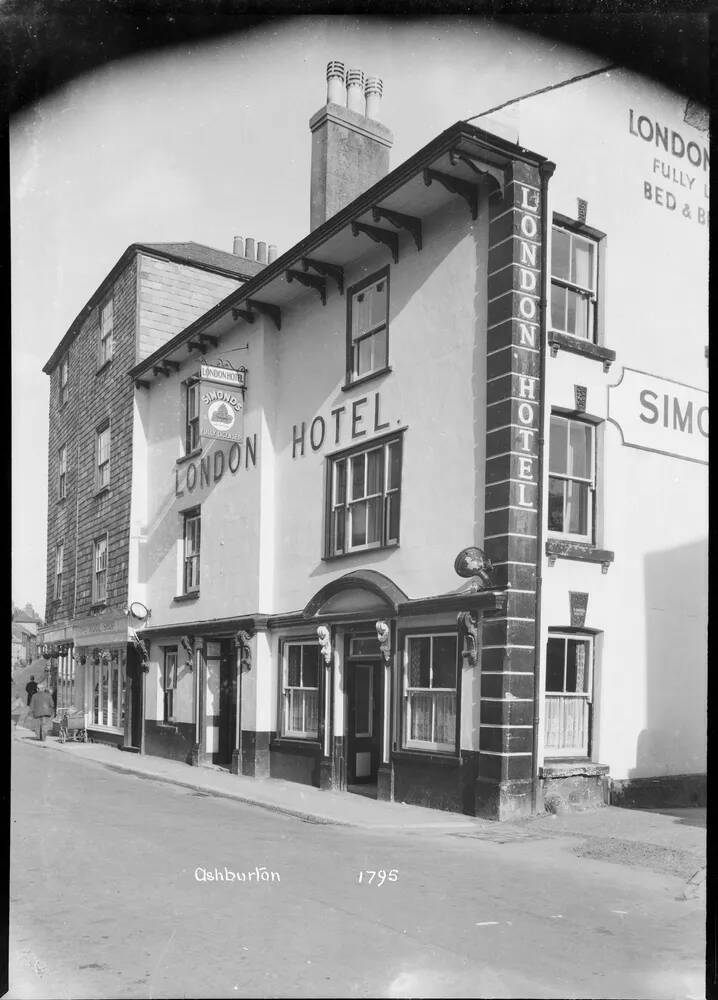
(671, 841)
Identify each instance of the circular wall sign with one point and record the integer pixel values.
(138, 610)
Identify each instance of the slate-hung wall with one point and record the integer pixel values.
(170, 296)
(103, 396)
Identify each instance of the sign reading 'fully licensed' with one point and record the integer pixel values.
(221, 403)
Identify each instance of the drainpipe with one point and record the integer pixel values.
(546, 171)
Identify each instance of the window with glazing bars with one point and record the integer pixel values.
(430, 678)
(571, 483)
(301, 690)
(365, 497)
(192, 530)
(368, 347)
(103, 456)
(574, 267)
(99, 569)
(59, 561)
(106, 328)
(62, 472)
(569, 686)
(192, 417)
(169, 682)
(64, 380)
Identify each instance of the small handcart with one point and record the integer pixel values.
(72, 728)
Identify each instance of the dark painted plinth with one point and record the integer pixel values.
(326, 774)
(109, 739)
(175, 741)
(234, 766)
(435, 783)
(255, 753)
(385, 783)
(676, 791)
(502, 800)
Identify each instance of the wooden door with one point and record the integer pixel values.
(363, 722)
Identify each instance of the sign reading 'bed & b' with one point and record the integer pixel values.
(221, 403)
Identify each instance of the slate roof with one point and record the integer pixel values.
(198, 253)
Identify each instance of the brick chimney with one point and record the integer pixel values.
(350, 147)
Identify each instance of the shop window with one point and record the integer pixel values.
(572, 478)
(59, 563)
(169, 682)
(191, 546)
(102, 454)
(574, 280)
(569, 686)
(64, 381)
(99, 570)
(62, 473)
(368, 327)
(191, 417)
(106, 332)
(430, 692)
(65, 681)
(300, 718)
(364, 500)
(108, 677)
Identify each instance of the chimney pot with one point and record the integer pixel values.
(249, 248)
(262, 252)
(272, 253)
(355, 90)
(238, 246)
(373, 89)
(336, 92)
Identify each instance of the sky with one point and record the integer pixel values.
(204, 142)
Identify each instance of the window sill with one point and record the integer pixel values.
(189, 456)
(98, 607)
(310, 747)
(577, 345)
(365, 378)
(569, 768)
(558, 548)
(409, 754)
(360, 552)
(181, 598)
(103, 367)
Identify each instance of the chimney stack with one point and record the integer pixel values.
(272, 253)
(246, 248)
(238, 246)
(350, 147)
(262, 252)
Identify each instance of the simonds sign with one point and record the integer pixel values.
(658, 414)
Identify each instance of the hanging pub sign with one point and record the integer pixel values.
(221, 403)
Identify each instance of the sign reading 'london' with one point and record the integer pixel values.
(657, 414)
(221, 403)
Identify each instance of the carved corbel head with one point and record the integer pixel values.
(325, 643)
(243, 642)
(383, 634)
(468, 624)
(187, 644)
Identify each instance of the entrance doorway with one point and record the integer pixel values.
(364, 690)
(221, 700)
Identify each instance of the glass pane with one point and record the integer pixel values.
(420, 707)
(560, 254)
(361, 313)
(340, 483)
(357, 472)
(378, 303)
(582, 262)
(584, 312)
(557, 445)
(393, 517)
(558, 307)
(339, 529)
(296, 710)
(579, 450)
(374, 511)
(364, 645)
(115, 694)
(576, 508)
(103, 693)
(571, 298)
(374, 472)
(364, 354)
(311, 712)
(358, 517)
(444, 665)
(554, 664)
(294, 659)
(310, 666)
(555, 504)
(445, 718)
(577, 667)
(394, 466)
(419, 661)
(362, 701)
(379, 349)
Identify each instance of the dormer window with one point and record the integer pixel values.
(368, 327)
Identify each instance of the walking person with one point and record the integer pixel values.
(42, 710)
(30, 688)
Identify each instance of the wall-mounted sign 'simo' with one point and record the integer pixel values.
(221, 403)
(658, 414)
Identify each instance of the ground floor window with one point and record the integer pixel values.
(108, 673)
(569, 687)
(301, 690)
(169, 682)
(429, 697)
(65, 681)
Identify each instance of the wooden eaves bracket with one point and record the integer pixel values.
(309, 281)
(479, 167)
(274, 312)
(469, 192)
(384, 236)
(202, 342)
(245, 314)
(401, 221)
(328, 270)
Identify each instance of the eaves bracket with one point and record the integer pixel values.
(400, 221)
(309, 281)
(245, 314)
(274, 312)
(328, 270)
(384, 236)
(468, 191)
(479, 167)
